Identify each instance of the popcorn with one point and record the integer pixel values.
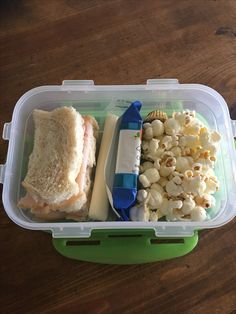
(207, 163)
(153, 148)
(153, 129)
(212, 160)
(175, 140)
(193, 128)
(159, 213)
(184, 118)
(186, 151)
(144, 181)
(198, 214)
(153, 216)
(167, 165)
(157, 187)
(145, 166)
(148, 133)
(154, 199)
(172, 126)
(188, 174)
(175, 204)
(166, 154)
(177, 177)
(176, 215)
(177, 180)
(164, 208)
(212, 185)
(146, 125)
(160, 152)
(194, 185)
(173, 210)
(149, 176)
(197, 167)
(142, 195)
(180, 117)
(139, 213)
(204, 138)
(145, 146)
(209, 172)
(206, 200)
(209, 140)
(157, 128)
(190, 141)
(176, 151)
(166, 171)
(177, 174)
(170, 162)
(157, 163)
(182, 164)
(211, 148)
(174, 188)
(166, 142)
(162, 181)
(188, 205)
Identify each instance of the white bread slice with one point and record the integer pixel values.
(75, 207)
(57, 155)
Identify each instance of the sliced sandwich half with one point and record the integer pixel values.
(58, 181)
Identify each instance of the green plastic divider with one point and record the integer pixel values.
(124, 247)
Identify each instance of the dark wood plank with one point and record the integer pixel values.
(115, 42)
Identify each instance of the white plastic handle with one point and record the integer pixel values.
(6, 133)
(78, 82)
(233, 123)
(2, 173)
(162, 81)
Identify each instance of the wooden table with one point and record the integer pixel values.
(115, 42)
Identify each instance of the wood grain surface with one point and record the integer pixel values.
(115, 42)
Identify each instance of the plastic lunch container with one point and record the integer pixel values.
(116, 241)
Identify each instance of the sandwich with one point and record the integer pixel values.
(58, 180)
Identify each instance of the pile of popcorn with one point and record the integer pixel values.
(177, 173)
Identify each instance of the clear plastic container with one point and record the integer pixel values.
(167, 95)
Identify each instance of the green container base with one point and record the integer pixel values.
(124, 247)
